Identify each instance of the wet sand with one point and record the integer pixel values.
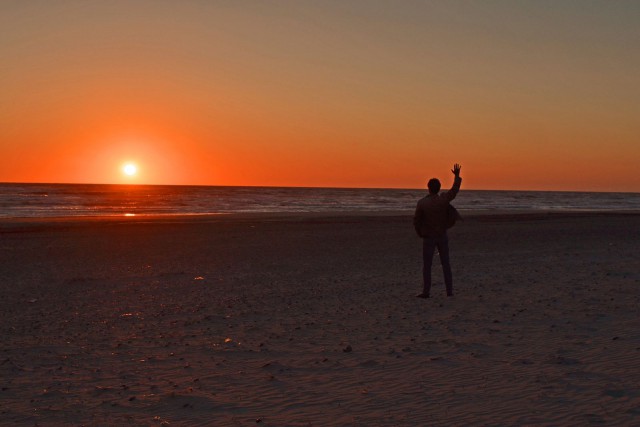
(312, 320)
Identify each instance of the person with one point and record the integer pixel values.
(430, 222)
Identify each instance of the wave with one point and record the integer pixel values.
(48, 200)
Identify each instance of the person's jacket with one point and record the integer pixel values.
(430, 219)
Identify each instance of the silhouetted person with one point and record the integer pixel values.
(430, 222)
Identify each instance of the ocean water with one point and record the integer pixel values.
(64, 200)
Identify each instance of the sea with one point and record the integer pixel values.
(77, 200)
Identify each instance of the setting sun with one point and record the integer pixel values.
(130, 169)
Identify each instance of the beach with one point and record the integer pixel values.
(311, 319)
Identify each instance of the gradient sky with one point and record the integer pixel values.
(540, 95)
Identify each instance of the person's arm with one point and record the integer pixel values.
(451, 194)
(417, 219)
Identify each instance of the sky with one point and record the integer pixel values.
(526, 95)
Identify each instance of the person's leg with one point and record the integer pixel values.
(443, 249)
(428, 248)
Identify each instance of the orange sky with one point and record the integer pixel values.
(528, 95)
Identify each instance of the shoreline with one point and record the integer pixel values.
(17, 224)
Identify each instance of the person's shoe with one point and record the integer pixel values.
(423, 295)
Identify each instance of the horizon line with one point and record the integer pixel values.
(307, 187)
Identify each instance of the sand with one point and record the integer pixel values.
(312, 320)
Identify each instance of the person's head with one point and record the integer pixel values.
(434, 186)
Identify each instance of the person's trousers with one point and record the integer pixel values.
(429, 245)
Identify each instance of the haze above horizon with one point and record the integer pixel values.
(533, 95)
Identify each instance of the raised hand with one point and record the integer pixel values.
(456, 169)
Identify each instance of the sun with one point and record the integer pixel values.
(129, 169)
